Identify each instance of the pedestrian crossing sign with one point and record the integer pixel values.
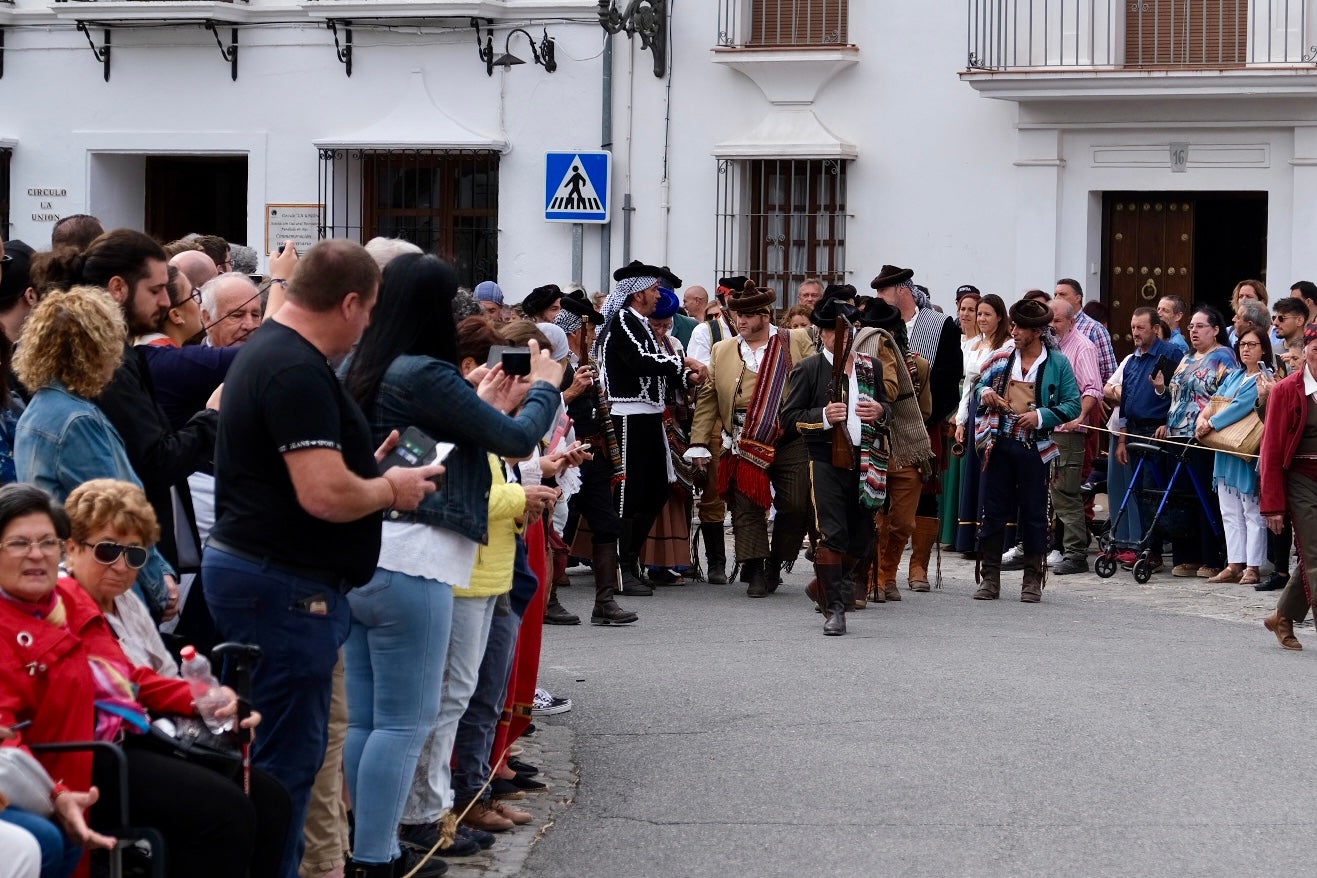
(576, 186)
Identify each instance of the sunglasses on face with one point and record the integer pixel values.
(107, 553)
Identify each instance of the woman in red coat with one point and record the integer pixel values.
(62, 670)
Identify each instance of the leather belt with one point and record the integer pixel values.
(315, 574)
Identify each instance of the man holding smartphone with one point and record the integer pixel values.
(299, 497)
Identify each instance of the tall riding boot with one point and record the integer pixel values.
(752, 572)
(889, 557)
(561, 558)
(990, 568)
(606, 610)
(555, 613)
(773, 574)
(715, 551)
(628, 552)
(830, 567)
(1032, 590)
(921, 550)
(860, 582)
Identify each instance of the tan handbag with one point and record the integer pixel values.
(1243, 438)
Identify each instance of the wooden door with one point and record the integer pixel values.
(1148, 254)
(202, 194)
(1186, 33)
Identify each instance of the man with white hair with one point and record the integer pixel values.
(385, 250)
(231, 309)
(199, 268)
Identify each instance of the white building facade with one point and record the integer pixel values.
(1141, 146)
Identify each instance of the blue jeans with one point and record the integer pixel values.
(475, 732)
(59, 855)
(431, 793)
(299, 624)
(395, 656)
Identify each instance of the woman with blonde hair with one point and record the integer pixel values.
(71, 346)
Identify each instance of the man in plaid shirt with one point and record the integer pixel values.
(1068, 290)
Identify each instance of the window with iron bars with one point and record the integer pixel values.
(773, 23)
(781, 222)
(444, 201)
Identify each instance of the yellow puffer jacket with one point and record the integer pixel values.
(494, 562)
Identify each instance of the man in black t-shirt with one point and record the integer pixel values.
(298, 497)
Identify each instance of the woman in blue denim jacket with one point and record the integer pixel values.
(405, 373)
(72, 343)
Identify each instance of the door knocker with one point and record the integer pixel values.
(1149, 290)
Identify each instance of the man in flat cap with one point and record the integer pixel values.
(936, 338)
(846, 488)
(635, 373)
(1021, 396)
(763, 460)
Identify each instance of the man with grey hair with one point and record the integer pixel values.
(1249, 311)
(199, 268)
(231, 309)
(245, 259)
(385, 250)
(1070, 439)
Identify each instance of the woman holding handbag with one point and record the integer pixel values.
(1236, 477)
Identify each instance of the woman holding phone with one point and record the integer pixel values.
(405, 373)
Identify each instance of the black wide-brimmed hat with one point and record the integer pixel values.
(1030, 314)
(736, 283)
(540, 299)
(890, 276)
(844, 292)
(750, 299)
(827, 311)
(669, 279)
(581, 307)
(879, 314)
(636, 268)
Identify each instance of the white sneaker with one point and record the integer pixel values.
(1014, 553)
(1056, 557)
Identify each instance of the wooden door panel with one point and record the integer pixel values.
(1148, 253)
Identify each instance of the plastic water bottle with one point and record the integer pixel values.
(206, 692)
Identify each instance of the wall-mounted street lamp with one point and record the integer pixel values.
(543, 54)
(649, 18)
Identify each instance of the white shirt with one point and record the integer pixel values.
(853, 396)
(1018, 367)
(701, 343)
(428, 552)
(753, 358)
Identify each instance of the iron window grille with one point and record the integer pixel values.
(782, 221)
(444, 201)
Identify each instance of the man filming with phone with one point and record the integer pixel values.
(299, 497)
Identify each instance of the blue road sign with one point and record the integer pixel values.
(576, 186)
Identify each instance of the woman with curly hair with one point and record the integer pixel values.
(71, 345)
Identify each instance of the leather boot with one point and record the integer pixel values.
(861, 582)
(757, 582)
(921, 549)
(555, 613)
(560, 562)
(990, 568)
(830, 567)
(606, 610)
(891, 592)
(1283, 628)
(715, 551)
(773, 574)
(1031, 592)
(628, 553)
(889, 557)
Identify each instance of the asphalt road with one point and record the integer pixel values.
(1087, 735)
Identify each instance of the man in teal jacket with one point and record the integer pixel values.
(1022, 395)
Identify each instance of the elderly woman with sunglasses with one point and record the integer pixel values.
(65, 676)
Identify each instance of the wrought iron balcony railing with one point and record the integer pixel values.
(1138, 34)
